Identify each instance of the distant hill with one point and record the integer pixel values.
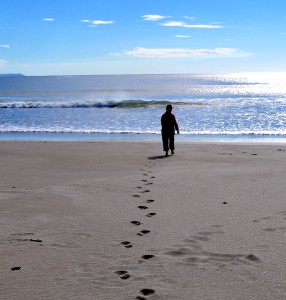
(10, 75)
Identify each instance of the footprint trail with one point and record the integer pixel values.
(148, 180)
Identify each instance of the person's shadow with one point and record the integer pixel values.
(158, 157)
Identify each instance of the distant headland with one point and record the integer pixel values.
(11, 75)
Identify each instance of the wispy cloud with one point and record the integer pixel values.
(178, 52)
(48, 20)
(182, 36)
(190, 18)
(215, 23)
(154, 17)
(97, 22)
(3, 62)
(183, 24)
(5, 46)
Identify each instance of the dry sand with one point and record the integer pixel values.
(115, 220)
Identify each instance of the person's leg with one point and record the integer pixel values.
(165, 142)
(172, 142)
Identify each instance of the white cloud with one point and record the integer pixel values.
(100, 22)
(4, 46)
(183, 24)
(48, 20)
(153, 17)
(96, 22)
(178, 52)
(182, 36)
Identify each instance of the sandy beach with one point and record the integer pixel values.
(116, 220)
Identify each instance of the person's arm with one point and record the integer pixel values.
(176, 125)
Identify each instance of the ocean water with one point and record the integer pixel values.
(207, 106)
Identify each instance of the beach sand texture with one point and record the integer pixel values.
(116, 220)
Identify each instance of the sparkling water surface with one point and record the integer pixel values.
(250, 104)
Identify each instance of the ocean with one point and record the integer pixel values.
(242, 106)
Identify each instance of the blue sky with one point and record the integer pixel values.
(78, 37)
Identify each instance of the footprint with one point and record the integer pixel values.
(135, 223)
(150, 200)
(149, 183)
(152, 177)
(266, 218)
(25, 239)
(179, 252)
(145, 292)
(138, 187)
(274, 229)
(151, 215)
(147, 256)
(122, 274)
(143, 232)
(145, 191)
(143, 207)
(252, 257)
(144, 180)
(136, 196)
(126, 244)
(269, 229)
(36, 240)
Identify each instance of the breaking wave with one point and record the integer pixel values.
(91, 104)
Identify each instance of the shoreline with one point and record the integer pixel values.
(118, 220)
(192, 138)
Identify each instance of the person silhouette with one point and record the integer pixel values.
(169, 125)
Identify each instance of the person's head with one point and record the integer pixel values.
(169, 108)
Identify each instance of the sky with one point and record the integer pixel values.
(90, 37)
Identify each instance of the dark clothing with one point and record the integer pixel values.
(168, 139)
(168, 122)
(169, 125)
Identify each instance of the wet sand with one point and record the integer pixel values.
(117, 220)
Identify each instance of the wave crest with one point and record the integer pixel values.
(90, 104)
